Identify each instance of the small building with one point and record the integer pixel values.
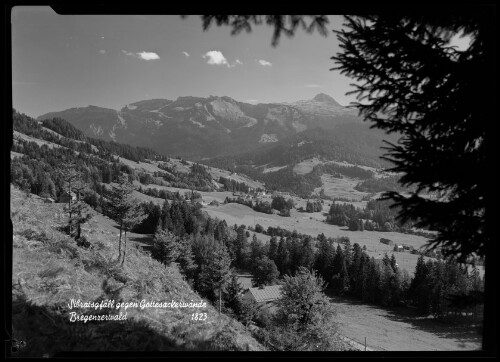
(65, 197)
(267, 295)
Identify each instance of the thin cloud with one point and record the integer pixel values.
(238, 61)
(142, 55)
(215, 57)
(128, 53)
(102, 51)
(265, 63)
(186, 54)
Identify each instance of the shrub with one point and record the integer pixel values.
(259, 228)
(264, 318)
(34, 235)
(83, 242)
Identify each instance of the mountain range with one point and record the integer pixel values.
(199, 128)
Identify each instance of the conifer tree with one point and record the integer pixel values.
(283, 256)
(123, 207)
(412, 80)
(215, 273)
(232, 295)
(166, 247)
(77, 210)
(393, 263)
(256, 249)
(273, 248)
(340, 279)
(305, 317)
(186, 259)
(324, 258)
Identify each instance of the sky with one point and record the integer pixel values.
(63, 61)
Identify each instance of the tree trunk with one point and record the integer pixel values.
(120, 243)
(70, 219)
(125, 248)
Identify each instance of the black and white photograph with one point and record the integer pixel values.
(253, 183)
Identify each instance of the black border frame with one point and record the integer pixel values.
(487, 9)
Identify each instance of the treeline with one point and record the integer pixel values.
(64, 128)
(198, 177)
(169, 195)
(374, 185)
(314, 206)
(29, 126)
(345, 170)
(285, 180)
(432, 290)
(134, 153)
(278, 203)
(232, 185)
(378, 215)
(38, 169)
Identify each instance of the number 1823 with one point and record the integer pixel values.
(198, 316)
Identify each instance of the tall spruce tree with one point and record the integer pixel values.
(413, 81)
(340, 278)
(273, 248)
(215, 273)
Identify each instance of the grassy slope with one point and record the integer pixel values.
(50, 271)
(38, 141)
(343, 188)
(401, 329)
